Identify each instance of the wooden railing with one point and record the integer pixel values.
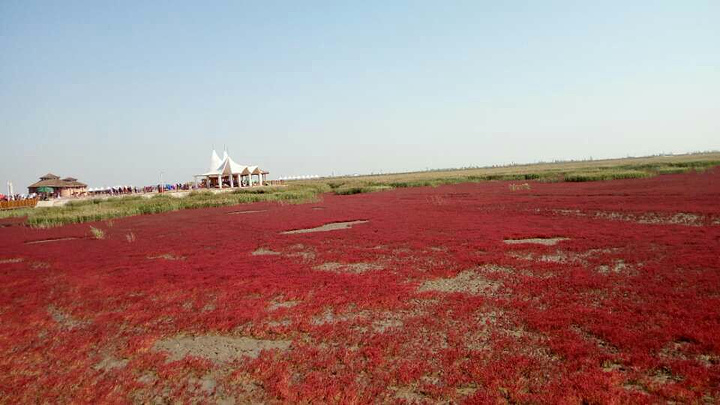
(6, 205)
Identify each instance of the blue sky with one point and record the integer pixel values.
(116, 92)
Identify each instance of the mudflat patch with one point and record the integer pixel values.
(166, 256)
(264, 252)
(110, 363)
(329, 317)
(383, 324)
(538, 241)
(618, 266)
(282, 304)
(32, 242)
(63, 319)
(353, 268)
(408, 394)
(246, 212)
(216, 348)
(307, 253)
(602, 260)
(333, 226)
(468, 281)
(656, 218)
(681, 218)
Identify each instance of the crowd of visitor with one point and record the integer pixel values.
(123, 190)
(106, 191)
(115, 191)
(178, 187)
(16, 197)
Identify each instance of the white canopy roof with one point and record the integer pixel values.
(214, 160)
(227, 166)
(215, 163)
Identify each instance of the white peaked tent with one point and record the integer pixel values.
(227, 170)
(214, 161)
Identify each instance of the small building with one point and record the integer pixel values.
(54, 185)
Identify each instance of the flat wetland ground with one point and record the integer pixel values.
(495, 291)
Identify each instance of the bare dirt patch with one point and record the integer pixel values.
(166, 256)
(494, 268)
(664, 376)
(246, 212)
(108, 363)
(383, 324)
(539, 241)
(147, 378)
(478, 339)
(409, 394)
(279, 323)
(353, 268)
(603, 261)
(13, 260)
(635, 387)
(302, 251)
(609, 367)
(63, 319)
(656, 218)
(489, 322)
(681, 218)
(205, 385)
(333, 226)
(419, 392)
(216, 348)
(468, 281)
(617, 267)
(676, 350)
(558, 257)
(508, 271)
(282, 304)
(330, 317)
(708, 360)
(264, 252)
(365, 320)
(32, 242)
(466, 391)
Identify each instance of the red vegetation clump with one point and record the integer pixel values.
(603, 292)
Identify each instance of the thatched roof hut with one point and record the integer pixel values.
(61, 187)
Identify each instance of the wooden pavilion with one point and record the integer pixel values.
(69, 186)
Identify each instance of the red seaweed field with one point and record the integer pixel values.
(598, 292)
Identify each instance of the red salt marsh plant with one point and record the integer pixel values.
(423, 302)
